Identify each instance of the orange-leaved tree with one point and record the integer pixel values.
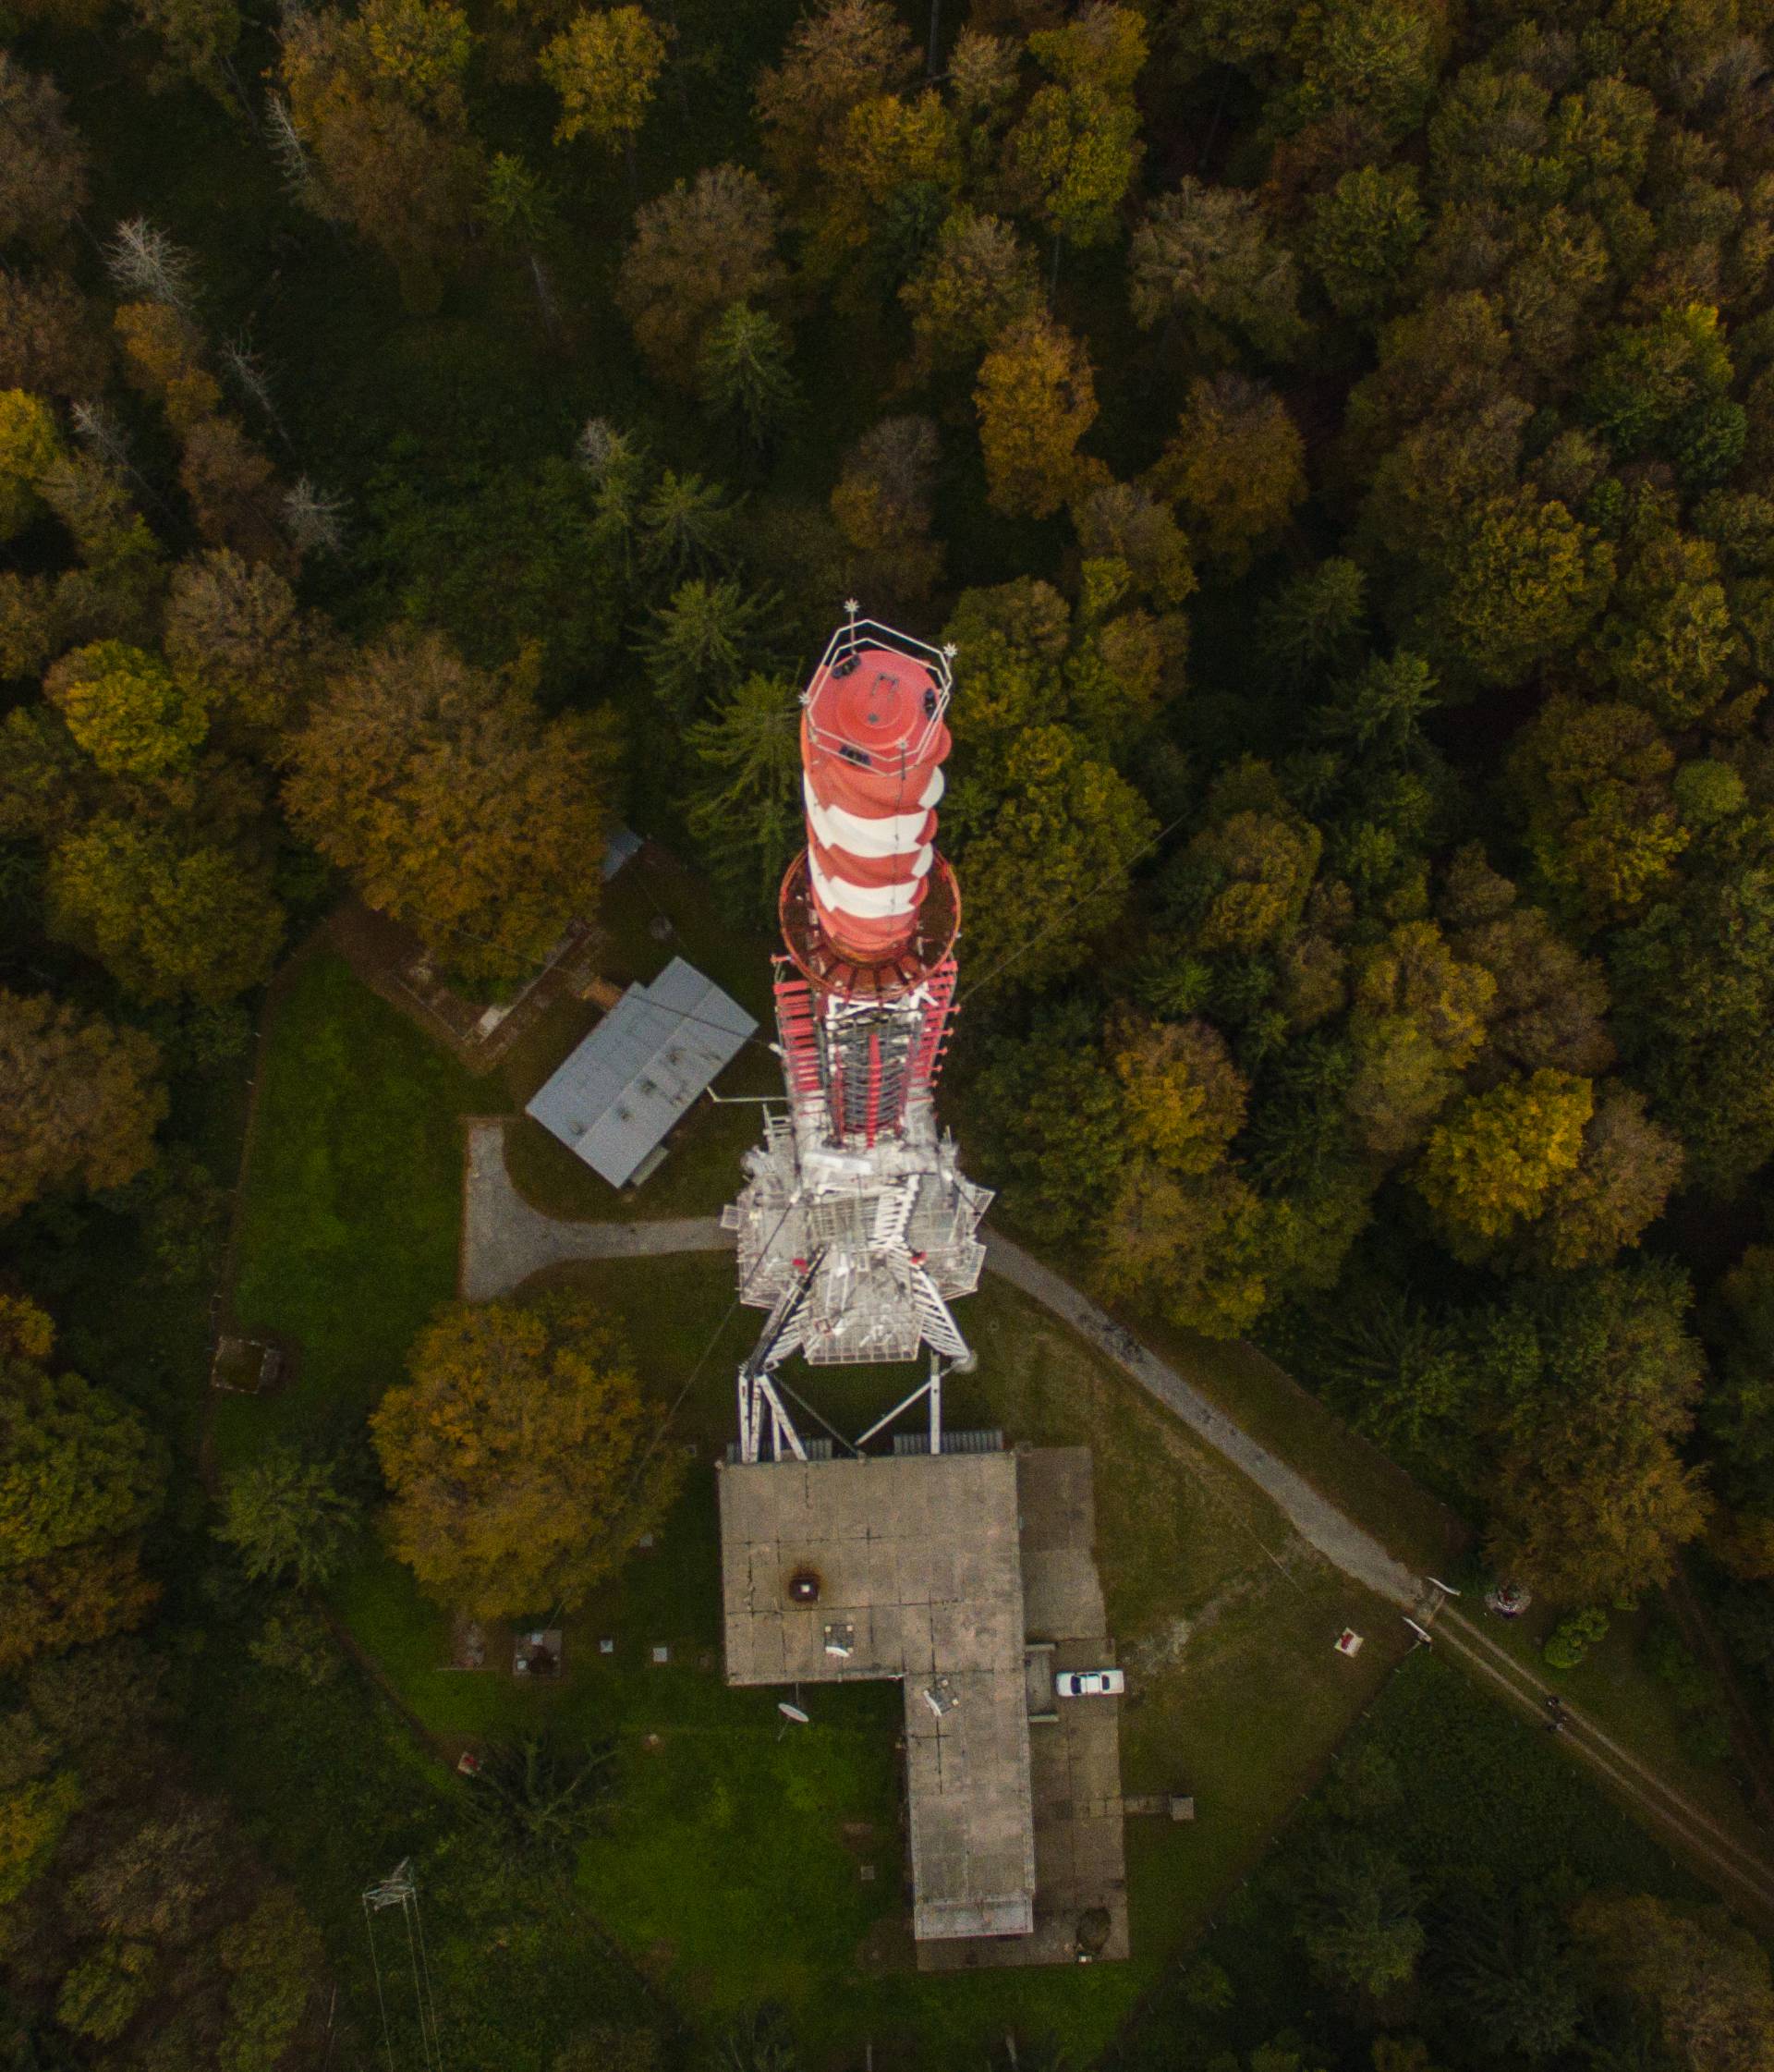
(79, 1100)
(1036, 400)
(453, 804)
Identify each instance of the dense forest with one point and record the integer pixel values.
(1338, 437)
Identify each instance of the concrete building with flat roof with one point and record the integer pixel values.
(616, 1096)
(918, 1577)
(918, 1562)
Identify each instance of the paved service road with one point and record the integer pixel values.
(1314, 1518)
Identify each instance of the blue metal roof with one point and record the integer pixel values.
(640, 1068)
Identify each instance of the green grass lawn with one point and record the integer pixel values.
(731, 1871)
(352, 1207)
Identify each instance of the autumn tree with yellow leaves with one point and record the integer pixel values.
(1036, 400)
(977, 284)
(1236, 469)
(170, 909)
(605, 67)
(522, 1457)
(1491, 1165)
(1592, 1499)
(80, 1476)
(127, 709)
(79, 1100)
(1418, 1020)
(1595, 780)
(43, 168)
(838, 56)
(453, 804)
(1073, 154)
(30, 443)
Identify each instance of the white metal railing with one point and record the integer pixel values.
(858, 633)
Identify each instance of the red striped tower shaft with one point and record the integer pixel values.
(872, 747)
(869, 910)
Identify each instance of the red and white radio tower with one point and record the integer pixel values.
(855, 1226)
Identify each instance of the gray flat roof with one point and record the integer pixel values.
(640, 1068)
(920, 1575)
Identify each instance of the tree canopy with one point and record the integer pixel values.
(521, 1456)
(78, 1100)
(79, 1477)
(453, 803)
(1337, 441)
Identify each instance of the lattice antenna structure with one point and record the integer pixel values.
(397, 1892)
(855, 1226)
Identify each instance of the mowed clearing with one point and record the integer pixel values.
(733, 1868)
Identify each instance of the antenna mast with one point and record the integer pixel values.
(855, 1226)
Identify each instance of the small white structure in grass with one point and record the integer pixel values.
(1349, 1641)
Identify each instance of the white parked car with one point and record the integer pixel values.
(1089, 1683)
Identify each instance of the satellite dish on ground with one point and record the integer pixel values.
(792, 1712)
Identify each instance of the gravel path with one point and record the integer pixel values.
(504, 1240)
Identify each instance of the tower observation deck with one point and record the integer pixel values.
(855, 1226)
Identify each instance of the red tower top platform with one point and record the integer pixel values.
(869, 908)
